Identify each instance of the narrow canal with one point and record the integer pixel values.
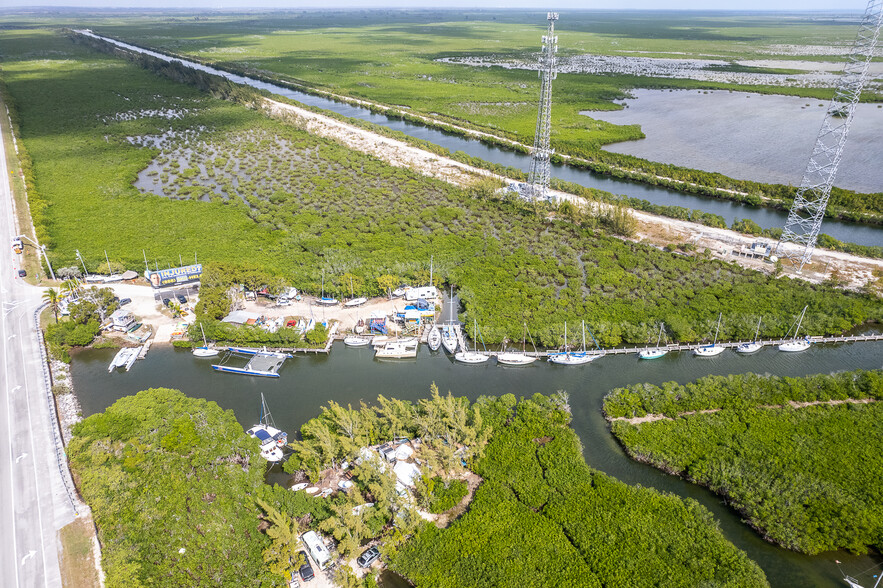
(730, 211)
(349, 376)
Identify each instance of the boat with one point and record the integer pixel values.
(312, 490)
(434, 338)
(205, 350)
(325, 300)
(752, 346)
(355, 302)
(713, 349)
(124, 358)
(515, 358)
(356, 341)
(398, 349)
(450, 341)
(656, 352)
(262, 363)
(796, 344)
(568, 357)
(272, 439)
(472, 357)
(298, 487)
(400, 291)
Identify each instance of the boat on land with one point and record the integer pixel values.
(434, 338)
(398, 349)
(796, 344)
(568, 357)
(359, 328)
(518, 359)
(472, 357)
(272, 439)
(656, 352)
(205, 350)
(400, 291)
(752, 346)
(713, 349)
(325, 300)
(300, 486)
(356, 341)
(355, 302)
(262, 363)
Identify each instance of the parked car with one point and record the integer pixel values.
(165, 301)
(22, 273)
(125, 301)
(182, 299)
(368, 557)
(306, 570)
(291, 324)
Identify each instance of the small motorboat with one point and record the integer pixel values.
(356, 341)
(434, 339)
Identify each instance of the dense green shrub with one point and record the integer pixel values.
(445, 495)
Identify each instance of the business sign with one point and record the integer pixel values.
(175, 275)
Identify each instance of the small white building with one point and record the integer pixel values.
(122, 320)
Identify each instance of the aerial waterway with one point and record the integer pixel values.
(349, 375)
(730, 211)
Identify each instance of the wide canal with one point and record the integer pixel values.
(730, 211)
(349, 376)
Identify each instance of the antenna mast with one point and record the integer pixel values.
(805, 218)
(540, 167)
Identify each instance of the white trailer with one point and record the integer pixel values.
(317, 550)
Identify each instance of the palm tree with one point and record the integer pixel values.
(70, 287)
(53, 300)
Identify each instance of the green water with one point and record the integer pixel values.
(353, 375)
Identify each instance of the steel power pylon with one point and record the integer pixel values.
(805, 218)
(540, 167)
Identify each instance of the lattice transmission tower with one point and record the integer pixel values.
(805, 218)
(540, 166)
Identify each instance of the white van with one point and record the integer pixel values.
(426, 292)
(316, 547)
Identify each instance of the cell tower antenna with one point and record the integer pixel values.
(540, 167)
(805, 217)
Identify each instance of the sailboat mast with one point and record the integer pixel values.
(757, 331)
(718, 328)
(799, 321)
(584, 336)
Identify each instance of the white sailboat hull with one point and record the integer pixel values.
(471, 357)
(434, 339)
(794, 346)
(709, 351)
(652, 353)
(205, 352)
(355, 302)
(752, 347)
(449, 340)
(516, 359)
(353, 341)
(572, 358)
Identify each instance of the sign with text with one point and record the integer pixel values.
(175, 275)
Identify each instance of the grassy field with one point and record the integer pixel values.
(799, 457)
(295, 206)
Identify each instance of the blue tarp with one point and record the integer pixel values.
(262, 435)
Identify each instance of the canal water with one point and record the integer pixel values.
(730, 211)
(767, 138)
(349, 376)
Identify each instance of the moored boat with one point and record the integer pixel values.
(656, 352)
(518, 359)
(272, 439)
(398, 349)
(472, 357)
(752, 346)
(713, 349)
(434, 338)
(796, 344)
(205, 350)
(568, 357)
(356, 341)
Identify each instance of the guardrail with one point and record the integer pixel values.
(54, 422)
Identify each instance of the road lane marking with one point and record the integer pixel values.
(20, 457)
(30, 554)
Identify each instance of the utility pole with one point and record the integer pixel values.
(805, 218)
(540, 172)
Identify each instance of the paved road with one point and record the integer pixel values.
(34, 503)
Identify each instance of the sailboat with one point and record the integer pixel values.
(796, 344)
(205, 350)
(272, 439)
(713, 349)
(449, 334)
(568, 357)
(353, 301)
(753, 345)
(657, 351)
(398, 349)
(356, 341)
(515, 358)
(434, 338)
(472, 357)
(326, 301)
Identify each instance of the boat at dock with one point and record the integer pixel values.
(356, 341)
(124, 358)
(751, 346)
(262, 363)
(713, 349)
(656, 352)
(515, 358)
(398, 349)
(272, 439)
(472, 357)
(796, 344)
(568, 357)
(205, 350)
(450, 335)
(434, 338)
